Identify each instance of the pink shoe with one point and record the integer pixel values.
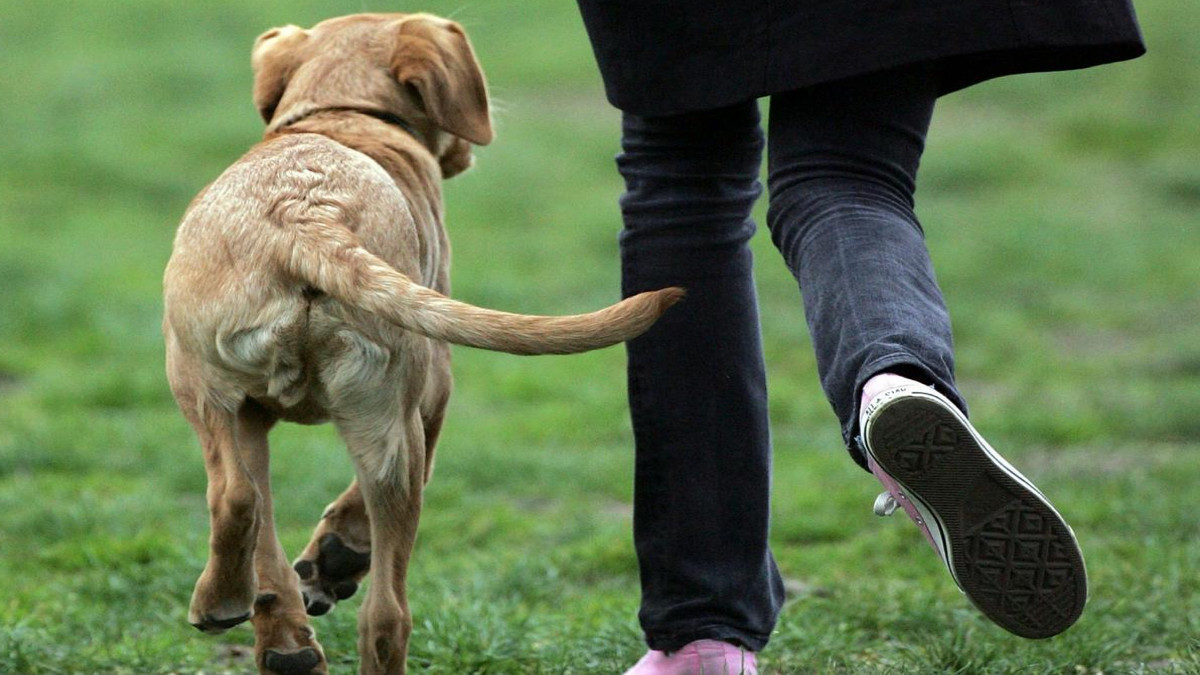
(1009, 551)
(702, 657)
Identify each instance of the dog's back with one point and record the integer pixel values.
(229, 298)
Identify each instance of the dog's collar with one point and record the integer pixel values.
(381, 115)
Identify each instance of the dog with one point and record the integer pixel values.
(308, 283)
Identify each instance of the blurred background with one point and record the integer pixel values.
(1061, 211)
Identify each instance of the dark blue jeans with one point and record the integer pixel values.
(842, 164)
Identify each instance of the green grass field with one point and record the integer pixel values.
(1061, 210)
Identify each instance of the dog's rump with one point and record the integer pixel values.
(331, 259)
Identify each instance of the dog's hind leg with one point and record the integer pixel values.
(391, 492)
(224, 594)
(284, 642)
(338, 555)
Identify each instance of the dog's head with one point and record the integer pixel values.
(418, 67)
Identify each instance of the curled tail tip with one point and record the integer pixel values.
(669, 296)
(673, 294)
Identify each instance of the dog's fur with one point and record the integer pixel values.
(308, 284)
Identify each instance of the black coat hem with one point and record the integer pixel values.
(664, 57)
(957, 72)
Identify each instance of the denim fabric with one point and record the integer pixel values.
(843, 160)
(842, 171)
(697, 386)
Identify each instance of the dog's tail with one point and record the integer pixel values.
(333, 260)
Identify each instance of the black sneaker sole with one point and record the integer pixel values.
(1011, 553)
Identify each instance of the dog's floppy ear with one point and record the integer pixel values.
(434, 59)
(274, 58)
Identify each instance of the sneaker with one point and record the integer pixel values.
(702, 657)
(1007, 548)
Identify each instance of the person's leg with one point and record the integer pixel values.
(843, 162)
(697, 385)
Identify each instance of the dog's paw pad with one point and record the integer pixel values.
(302, 662)
(213, 625)
(338, 561)
(332, 576)
(316, 606)
(345, 589)
(305, 569)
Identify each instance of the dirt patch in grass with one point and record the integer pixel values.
(10, 382)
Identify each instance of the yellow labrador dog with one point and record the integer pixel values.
(308, 283)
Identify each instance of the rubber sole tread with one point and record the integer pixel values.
(1011, 553)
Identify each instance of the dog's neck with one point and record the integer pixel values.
(385, 116)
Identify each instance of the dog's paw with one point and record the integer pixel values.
(215, 609)
(332, 576)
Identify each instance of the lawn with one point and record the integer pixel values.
(1061, 210)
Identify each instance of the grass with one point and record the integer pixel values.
(1061, 211)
